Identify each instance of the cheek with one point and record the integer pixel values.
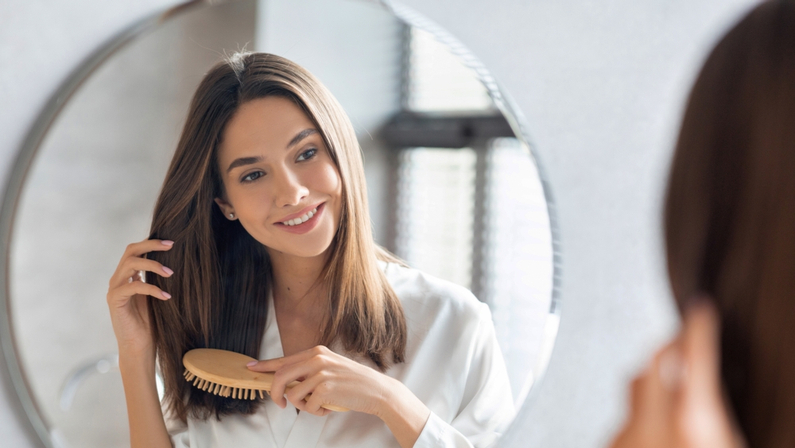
(331, 182)
(250, 201)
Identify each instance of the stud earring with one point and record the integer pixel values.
(231, 216)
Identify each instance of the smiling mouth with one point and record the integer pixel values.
(301, 219)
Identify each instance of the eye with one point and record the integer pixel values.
(306, 155)
(251, 177)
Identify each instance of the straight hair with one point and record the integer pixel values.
(730, 216)
(223, 275)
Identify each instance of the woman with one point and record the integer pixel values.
(263, 217)
(727, 379)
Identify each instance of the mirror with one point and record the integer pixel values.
(441, 144)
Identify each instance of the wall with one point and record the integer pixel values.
(602, 84)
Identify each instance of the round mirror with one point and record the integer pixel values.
(453, 185)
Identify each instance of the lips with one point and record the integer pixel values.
(303, 221)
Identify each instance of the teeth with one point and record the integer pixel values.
(302, 219)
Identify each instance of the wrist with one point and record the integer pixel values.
(137, 361)
(402, 412)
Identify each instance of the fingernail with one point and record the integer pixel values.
(168, 271)
(167, 243)
(166, 295)
(252, 363)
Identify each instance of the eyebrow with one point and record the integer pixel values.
(300, 136)
(242, 161)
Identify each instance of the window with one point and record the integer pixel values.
(470, 207)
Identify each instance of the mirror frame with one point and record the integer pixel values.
(27, 152)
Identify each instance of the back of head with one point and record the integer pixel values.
(730, 215)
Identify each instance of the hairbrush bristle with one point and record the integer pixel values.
(237, 393)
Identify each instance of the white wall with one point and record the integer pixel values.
(602, 83)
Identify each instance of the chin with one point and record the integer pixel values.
(307, 250)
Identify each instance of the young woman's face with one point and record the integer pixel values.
(279, 178)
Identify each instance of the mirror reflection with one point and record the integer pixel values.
(452, 190)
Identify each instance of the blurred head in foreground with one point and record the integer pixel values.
(726, 380)
(730, 216)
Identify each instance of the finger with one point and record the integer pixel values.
(307, 389)
(320, 396)
(146, 246)
(701, 347)
(268, 365)
(704, 419)
(121, 295)
(652, 409)
(284, 378)
(670, 366)
(655, 397)
(130, 267)
(272, 365)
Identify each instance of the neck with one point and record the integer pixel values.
(296, 280)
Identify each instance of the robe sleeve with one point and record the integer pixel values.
(487, 407)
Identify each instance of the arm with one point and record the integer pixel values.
(404, 414)
(147, 426)
(129, 314)
(486, 407)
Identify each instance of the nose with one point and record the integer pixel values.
(289, 189)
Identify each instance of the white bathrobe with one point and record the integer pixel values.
(453, 365)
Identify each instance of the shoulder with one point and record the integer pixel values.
(425, 297)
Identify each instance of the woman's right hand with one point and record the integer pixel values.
(127, 293)
(677, 402)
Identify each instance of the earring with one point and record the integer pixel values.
(231, 216)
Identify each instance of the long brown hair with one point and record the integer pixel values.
(730, 215)
(222, 275)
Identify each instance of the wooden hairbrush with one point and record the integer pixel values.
(226, 374)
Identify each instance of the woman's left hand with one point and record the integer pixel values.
(330, 379)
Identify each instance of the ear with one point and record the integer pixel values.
(226, 209)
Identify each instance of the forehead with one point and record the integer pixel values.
(261, 126)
